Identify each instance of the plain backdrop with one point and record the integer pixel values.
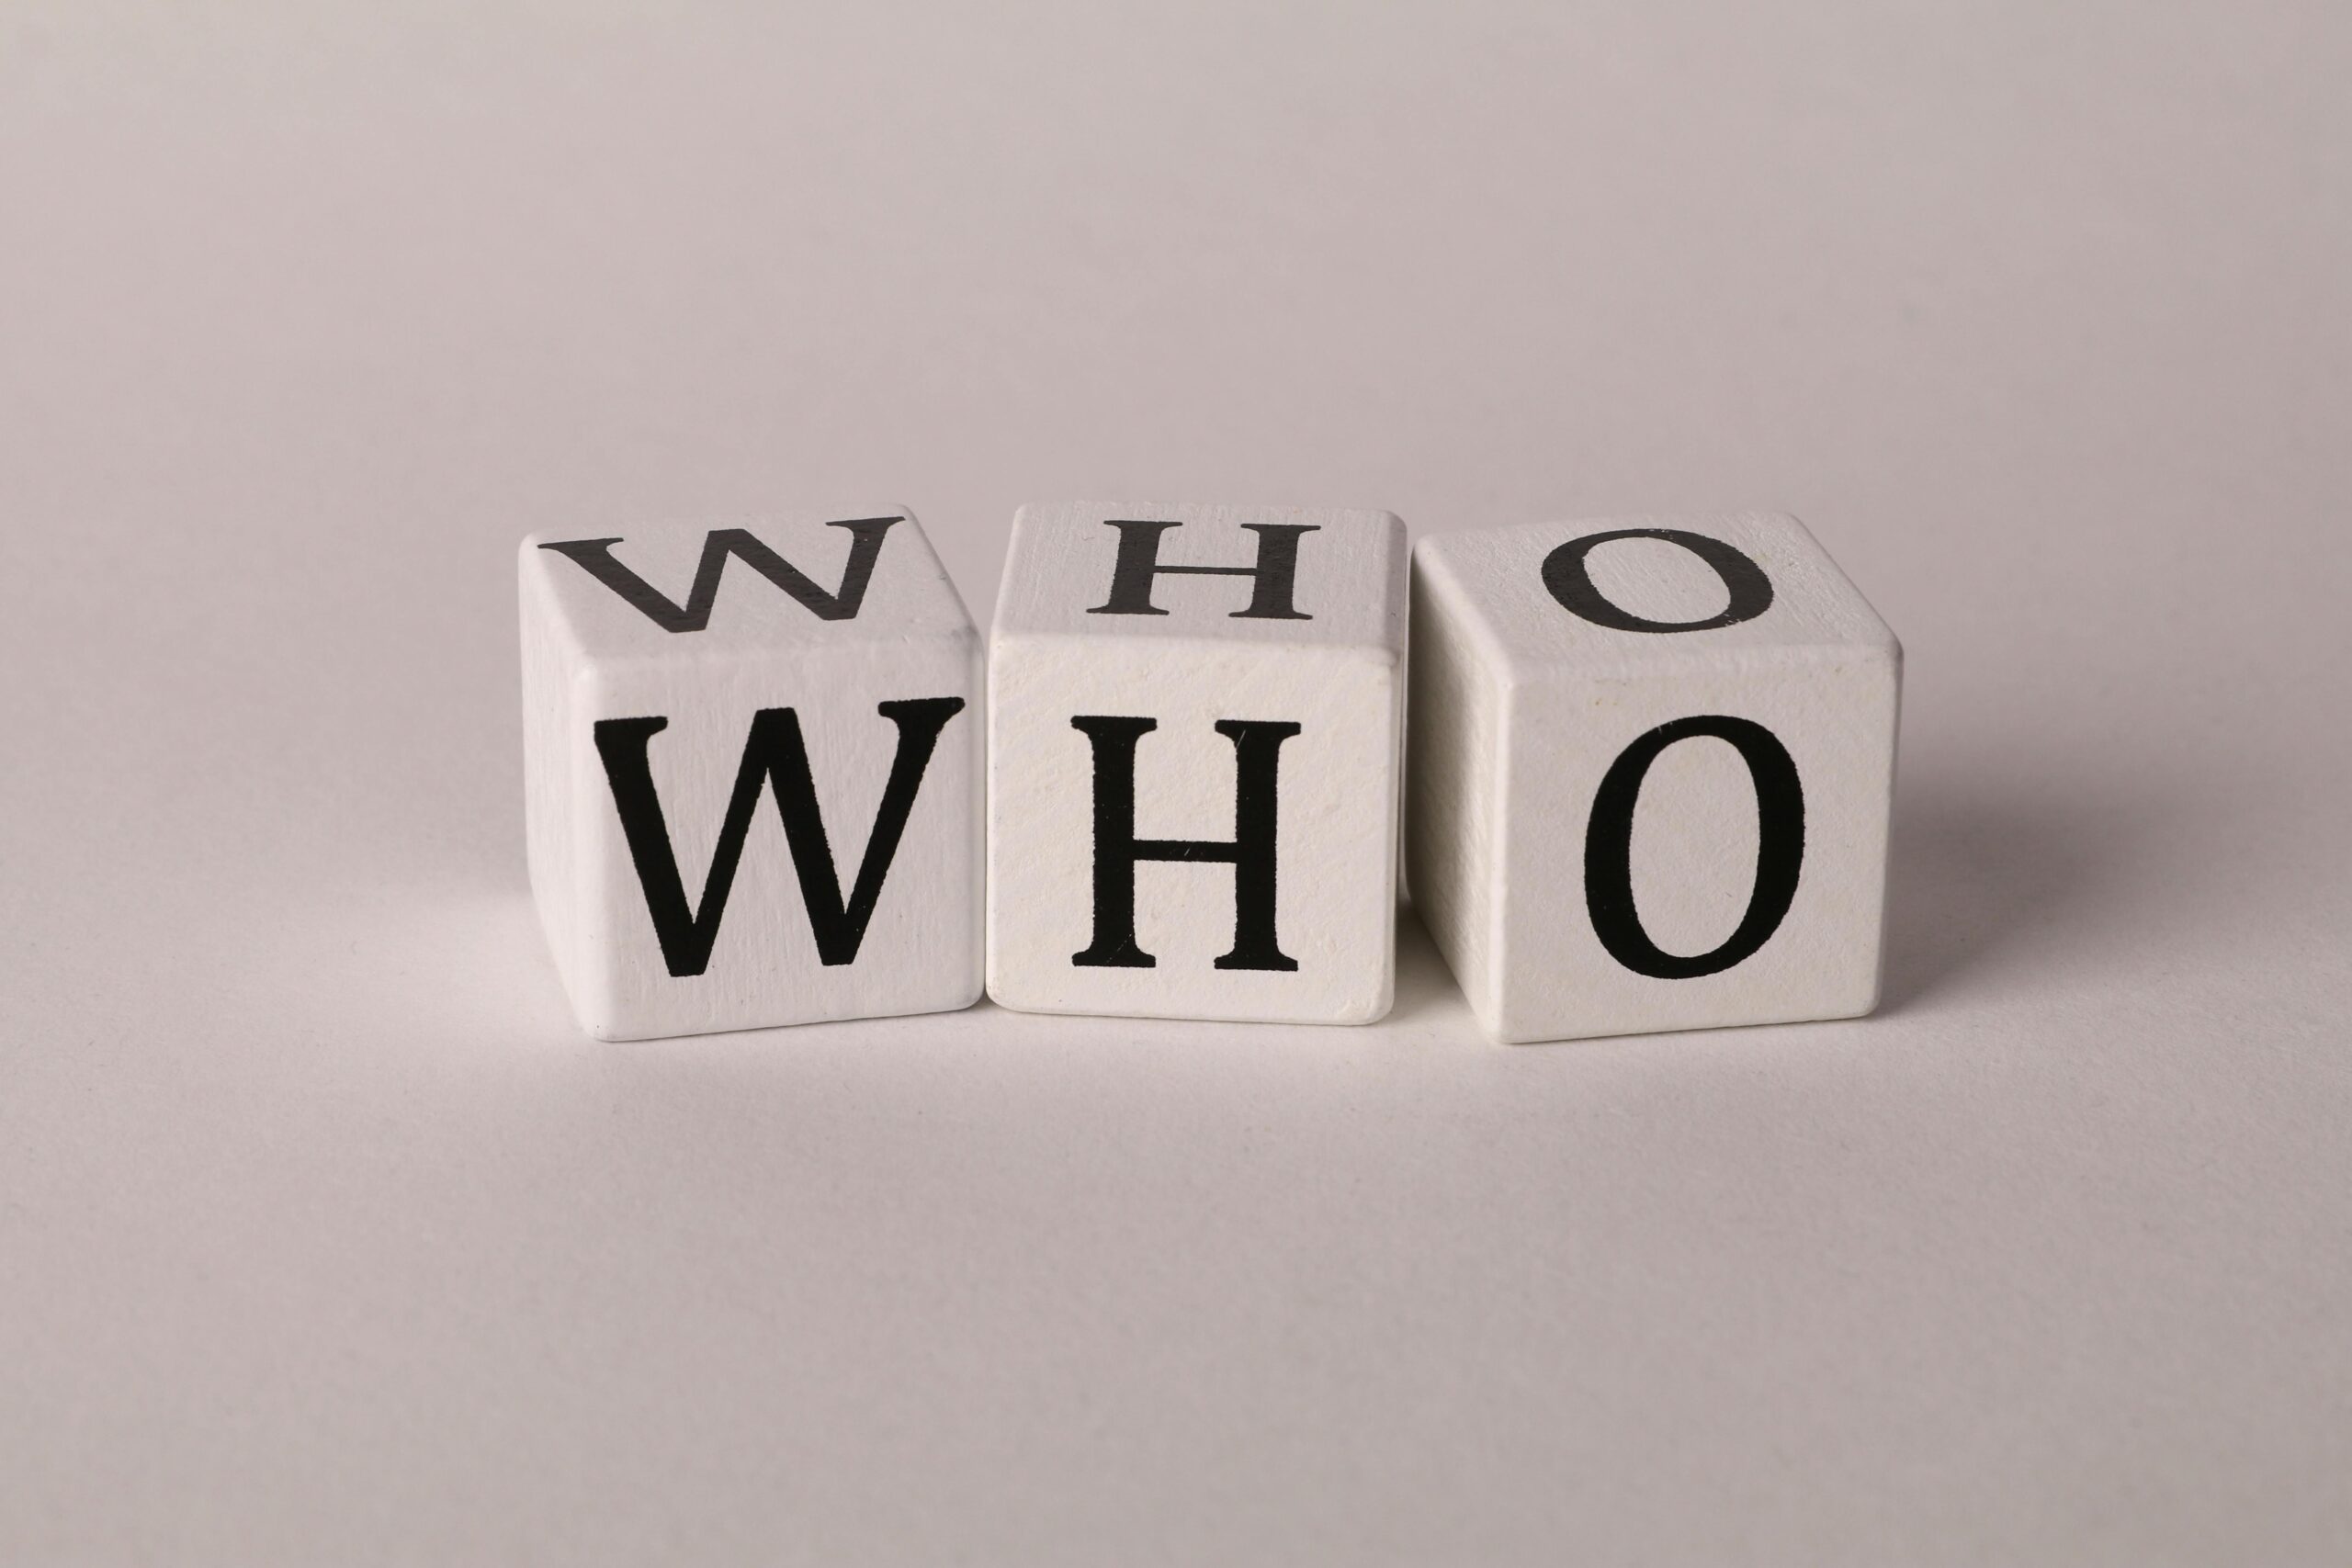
(325, 1237)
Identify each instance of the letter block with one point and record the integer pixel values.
(752, 798)
(1651, 763)
(1194, 757)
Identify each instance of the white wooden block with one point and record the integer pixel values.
(752, 770)
(1194, 761)
(1651, 763)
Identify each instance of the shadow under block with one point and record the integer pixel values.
(753, 757)
(1651, 764)
(1194, 752)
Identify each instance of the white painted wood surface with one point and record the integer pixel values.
(1071, 642)
(1534, 692)
(789, 945)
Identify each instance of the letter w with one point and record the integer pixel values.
(775, 754)
(595, 555)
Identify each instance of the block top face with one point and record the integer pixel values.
(1276, 574)
(745, 585)
(1633, 594)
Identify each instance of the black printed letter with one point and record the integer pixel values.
(1275, 575)
(1609, 847)
(775, 754)
(1565, 575)
(866, 543)
(1257, 754)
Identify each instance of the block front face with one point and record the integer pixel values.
(1187, 821)
(1762, 792)
(1682, 818)
(754, 770)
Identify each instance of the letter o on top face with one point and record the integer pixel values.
(1568, 578)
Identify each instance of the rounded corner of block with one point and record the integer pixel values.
(998, 986)
(968, 996)
(1008, 997)
(531, 567)
(1373, 1008)
(600, 1024)
(1871, 999)
(1504, 1027)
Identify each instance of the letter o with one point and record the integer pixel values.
(1609, 847)
(1566, 576)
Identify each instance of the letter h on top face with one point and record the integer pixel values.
(1273, 575)
(1195, 714)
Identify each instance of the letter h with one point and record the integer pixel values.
(1274, 578)
(1256, 756)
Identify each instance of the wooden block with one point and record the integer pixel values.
(1193, 760)
(752, 764)
(1651, 761)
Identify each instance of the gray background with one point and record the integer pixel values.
(325, 1236)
